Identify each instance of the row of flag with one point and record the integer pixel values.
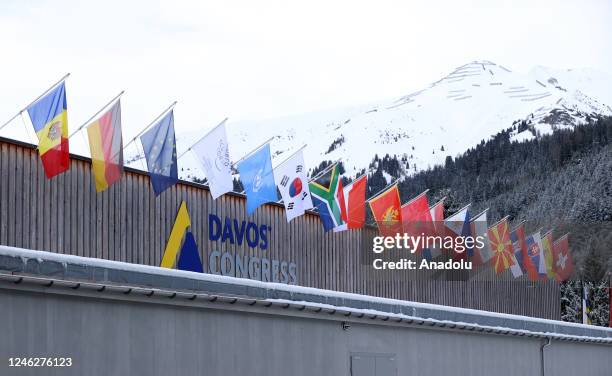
(340, 208)
(535, 255)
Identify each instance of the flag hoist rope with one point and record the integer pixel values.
(97, 113)
(201, 138)
(150, 124)
(35, 100)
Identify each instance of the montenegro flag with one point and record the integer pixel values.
(386, 209)
(49, 117)
(501, 245)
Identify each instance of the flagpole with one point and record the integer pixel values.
(482, 212)
(96, 114)
(252, 151)
(411, 200)
(383, 190)
(201, 138)
(437, 203)
(498, 222)
(150, 124)
(35, 100)
(324, 170)
(289, 157)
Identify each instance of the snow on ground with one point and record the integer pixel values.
(472, 103)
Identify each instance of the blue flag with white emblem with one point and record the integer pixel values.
(257, 178)
(159, 145)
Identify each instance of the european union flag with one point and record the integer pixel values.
(257, 178)
(159, 146)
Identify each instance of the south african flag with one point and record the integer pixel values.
(328, 197)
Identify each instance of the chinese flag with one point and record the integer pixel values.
(563, 265)
(499, 237)
(416, 217)
(356, 193)
(386, 209)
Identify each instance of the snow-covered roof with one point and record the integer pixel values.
(33, 265)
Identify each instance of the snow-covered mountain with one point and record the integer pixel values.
(470, 104)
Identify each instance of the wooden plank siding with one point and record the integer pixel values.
(128, 223)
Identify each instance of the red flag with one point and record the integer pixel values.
(340, 196)
(416, 217)
(499, 237)
(386, 209)
(563, 265)
(356, 193)
(437, 211)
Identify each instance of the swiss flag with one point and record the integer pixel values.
(563, 264)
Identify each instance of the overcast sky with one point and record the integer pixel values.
(263, 59)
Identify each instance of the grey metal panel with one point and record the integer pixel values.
(121, 337)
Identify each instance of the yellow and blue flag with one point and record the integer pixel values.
(159, 145)
(257, 178)
(49, 116)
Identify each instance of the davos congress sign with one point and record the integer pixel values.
(237, 234)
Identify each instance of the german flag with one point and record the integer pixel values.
(106, 148)
(49, 117)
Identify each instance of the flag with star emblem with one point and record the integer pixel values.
(562, 259)
(290, 177)
(159, 145)
(499, 237)
(386, 209)
(49, 116)
(257, 178)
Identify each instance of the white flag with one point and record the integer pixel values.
(213, 153)
(481, 229)
(290, 178)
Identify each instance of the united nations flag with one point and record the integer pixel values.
(159, 145)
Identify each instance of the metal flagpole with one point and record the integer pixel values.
(96, 114)
(150, 124)
(324, 170)
(201, 138)
(252, 151)
(411, 200)
(496, 223)
(35, 100)
(289, 157)
(484, 211)
(383, 190)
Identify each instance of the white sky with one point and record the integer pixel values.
(264, 59)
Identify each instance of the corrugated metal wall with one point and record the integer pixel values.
(128, 223)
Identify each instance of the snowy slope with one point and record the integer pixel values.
(454, 113)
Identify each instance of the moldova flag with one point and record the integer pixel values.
(106, 148)
(49, 116)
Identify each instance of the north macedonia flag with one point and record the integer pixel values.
(499, 238)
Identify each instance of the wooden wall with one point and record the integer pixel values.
(128, 223)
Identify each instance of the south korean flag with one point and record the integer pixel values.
(290, 178)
